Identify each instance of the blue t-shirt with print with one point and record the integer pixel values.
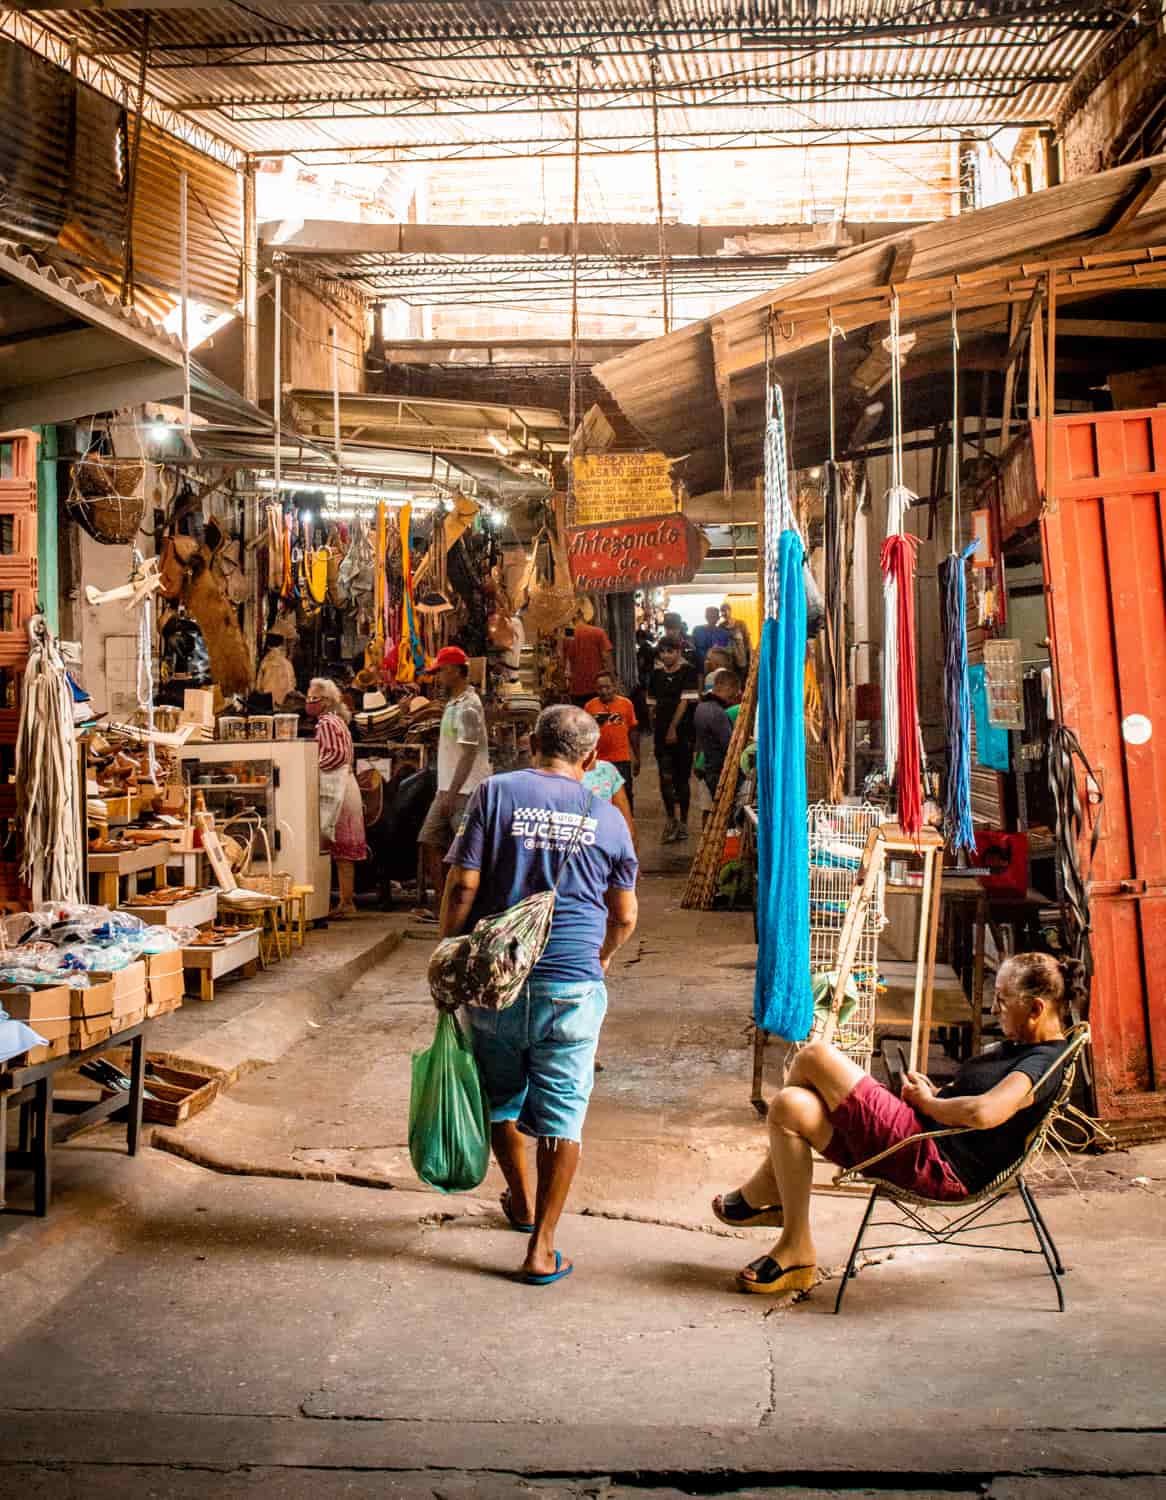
(517, 830)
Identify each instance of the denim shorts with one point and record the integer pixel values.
(537, 1057)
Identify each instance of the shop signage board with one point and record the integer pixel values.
(615, 486)
(634, 554)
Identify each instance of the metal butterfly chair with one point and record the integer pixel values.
(970, 1212)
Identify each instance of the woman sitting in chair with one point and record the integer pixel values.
(832, 1106)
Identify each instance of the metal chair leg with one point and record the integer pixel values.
(1043, 1222)
(854, 1249)
(1038, 1230)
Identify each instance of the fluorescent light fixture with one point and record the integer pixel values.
(499, 445)
(349, 494)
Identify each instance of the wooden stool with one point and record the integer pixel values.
(298, 912)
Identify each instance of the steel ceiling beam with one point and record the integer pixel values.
(797, 138)
(311, 238)
(525, 99)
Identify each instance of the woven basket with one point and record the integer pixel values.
(107, 495)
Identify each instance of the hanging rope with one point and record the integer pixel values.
(573, 391)
(1065, 755)
(782, 998)
(957, 694)
(899, 500)
(834, 675)
(899, 553)
(48, 777)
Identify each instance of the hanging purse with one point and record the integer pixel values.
(489, 966)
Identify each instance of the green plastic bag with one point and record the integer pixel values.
(449, 1116)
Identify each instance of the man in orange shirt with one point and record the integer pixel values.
(619, 730)
(588, 652)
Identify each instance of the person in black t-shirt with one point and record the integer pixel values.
(673, 691)
(831, 1105)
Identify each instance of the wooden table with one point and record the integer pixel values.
(127, 864)
(241, 952)
(192, 912)
(32, 1089)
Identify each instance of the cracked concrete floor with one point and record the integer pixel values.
(300, 1336)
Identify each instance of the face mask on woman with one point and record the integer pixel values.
(314, 707)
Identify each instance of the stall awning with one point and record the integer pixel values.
(67, 348)
(691, 389)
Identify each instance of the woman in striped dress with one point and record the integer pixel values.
(341, 812)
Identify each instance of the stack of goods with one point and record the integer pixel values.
(60, 944)
(120, 783)
(109, 1003)
(71, 976)
(165, 980)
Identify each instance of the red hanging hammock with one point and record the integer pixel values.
(898, 560)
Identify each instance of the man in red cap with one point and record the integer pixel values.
(463, 762)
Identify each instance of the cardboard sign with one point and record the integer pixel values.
(629, 555)
(613, 486)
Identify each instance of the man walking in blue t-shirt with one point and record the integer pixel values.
(537, 1059)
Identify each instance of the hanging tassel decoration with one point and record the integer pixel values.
(898, 562)
(49, 789)
(957, 696)
(899, 500)
(783, 1003)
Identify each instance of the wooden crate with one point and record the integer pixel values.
(182, 1090)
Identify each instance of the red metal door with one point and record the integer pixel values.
(1105, 559)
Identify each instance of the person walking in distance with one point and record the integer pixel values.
(463, 763)
(619, 730)
(587, 651)
(673, 693)
(537, 1058)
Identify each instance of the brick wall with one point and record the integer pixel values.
(721, 187)
(1090, 134)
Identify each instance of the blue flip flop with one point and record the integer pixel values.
(513, 1222)
(556, 1275)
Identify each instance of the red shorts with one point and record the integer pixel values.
(869, 1120)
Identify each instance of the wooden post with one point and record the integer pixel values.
(250, 288)
(1048, 407)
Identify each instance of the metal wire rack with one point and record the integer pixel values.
(838, 836)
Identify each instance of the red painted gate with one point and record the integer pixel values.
(1105, 560)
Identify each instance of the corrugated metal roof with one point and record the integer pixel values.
(746, 60)
(668, 387)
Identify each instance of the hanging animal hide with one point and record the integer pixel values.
(232, 665)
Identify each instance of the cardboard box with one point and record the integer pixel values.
(87, 1033)
(159, 965)
(36, 1006)
(198, 707)
(126, 987)
(92, 1003)
(166, 992)
(35, 1055)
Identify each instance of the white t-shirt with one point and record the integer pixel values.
(463, 723)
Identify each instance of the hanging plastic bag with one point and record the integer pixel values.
(449, 1118)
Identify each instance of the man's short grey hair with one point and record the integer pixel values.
(564, 732)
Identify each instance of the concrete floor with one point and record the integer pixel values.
(281, 1308)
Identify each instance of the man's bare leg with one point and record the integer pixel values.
(434, 876)
(510, 1153)
(557, 1163)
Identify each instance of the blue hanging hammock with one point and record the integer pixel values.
(783, 1000)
